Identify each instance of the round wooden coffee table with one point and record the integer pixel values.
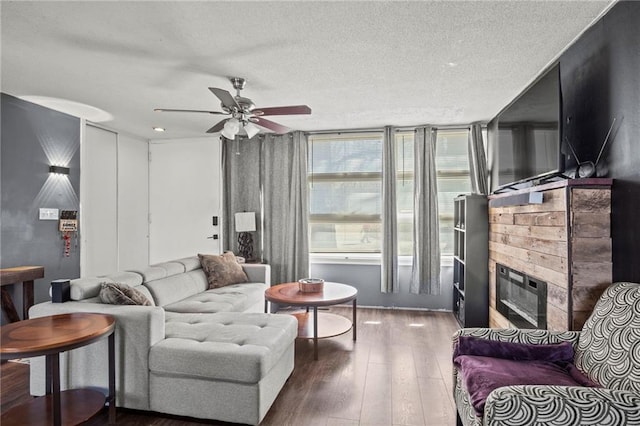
(320, 325)
(49, 336)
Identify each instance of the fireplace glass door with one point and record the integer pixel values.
(520, 298)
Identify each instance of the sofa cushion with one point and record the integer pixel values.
(122, 294)
(85, 288)
(190, 263)
(230, 346)
(482, 375)
(177, 287)
(222, 270)
(232, 298)
(161, 270)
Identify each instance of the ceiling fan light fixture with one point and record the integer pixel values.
(251, 129)
(231, 128)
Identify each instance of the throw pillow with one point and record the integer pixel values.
(482, 375)
(122, 294)
(222, 270)
(561, 353)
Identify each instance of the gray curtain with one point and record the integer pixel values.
(389, 281)
(425, 271)
(286, 210)
(268, 174)
(241, 189)
(477, 161)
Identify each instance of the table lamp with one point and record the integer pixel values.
(245, 224)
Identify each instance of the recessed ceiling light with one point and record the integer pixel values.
(159, 129)
(452, 64)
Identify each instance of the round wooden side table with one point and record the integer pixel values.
(49, 336)
(322, 325)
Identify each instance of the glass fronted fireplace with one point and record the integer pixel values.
(520, 298)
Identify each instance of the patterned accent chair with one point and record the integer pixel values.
(607, 351)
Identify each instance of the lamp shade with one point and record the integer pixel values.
(231, 128)
(251, 129)
(245, 222)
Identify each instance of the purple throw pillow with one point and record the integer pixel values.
(560, 353)
(482, 375)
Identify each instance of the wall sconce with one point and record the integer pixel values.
(245, 224)
(59, 170)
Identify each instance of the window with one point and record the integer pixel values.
(345, 190)
(452, 164)
(345, 193)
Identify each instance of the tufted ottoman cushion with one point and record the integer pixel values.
(228, 346)
(232, 298)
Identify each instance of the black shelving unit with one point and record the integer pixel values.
(471, 260)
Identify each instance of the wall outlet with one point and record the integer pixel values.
(49, 214)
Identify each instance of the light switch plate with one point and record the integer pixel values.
(49, 214)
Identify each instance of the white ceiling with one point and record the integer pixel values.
(357, 64)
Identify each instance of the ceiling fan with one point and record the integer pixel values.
(244, 114)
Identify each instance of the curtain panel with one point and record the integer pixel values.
(425, 270)
(477, 161)
(268, 174)
(286, 207)
(389, 264)
(241, 189)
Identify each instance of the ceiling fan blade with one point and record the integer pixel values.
(267, 124)
(218, 127)
(225, 97)
(188, 110)
(283, 110)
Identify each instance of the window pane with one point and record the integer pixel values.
(452, 162)
(346, 197)
(453, 179)
(404, 191)
(451, 151)
(344, 154)
(345, 193)
(345, 237)
(404, 152)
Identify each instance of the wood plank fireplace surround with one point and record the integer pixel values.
(564, 241)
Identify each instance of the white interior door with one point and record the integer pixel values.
(133, 203)
(98, 202)
(184, 196)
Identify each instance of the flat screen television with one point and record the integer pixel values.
(527, 134)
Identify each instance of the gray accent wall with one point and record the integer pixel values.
(32, 139)
(600, 81)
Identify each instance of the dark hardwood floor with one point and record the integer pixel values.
(397, 373)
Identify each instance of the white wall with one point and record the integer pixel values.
(185, 193)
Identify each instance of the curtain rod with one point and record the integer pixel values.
(397, 129)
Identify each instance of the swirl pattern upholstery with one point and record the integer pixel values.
(607, 350)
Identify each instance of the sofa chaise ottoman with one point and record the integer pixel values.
(198, 352)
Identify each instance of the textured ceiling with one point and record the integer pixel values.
(356, 64)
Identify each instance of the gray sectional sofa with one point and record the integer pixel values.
(197, 352)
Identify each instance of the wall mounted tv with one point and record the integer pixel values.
(526, 135)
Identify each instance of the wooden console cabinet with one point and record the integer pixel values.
(565, 240)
